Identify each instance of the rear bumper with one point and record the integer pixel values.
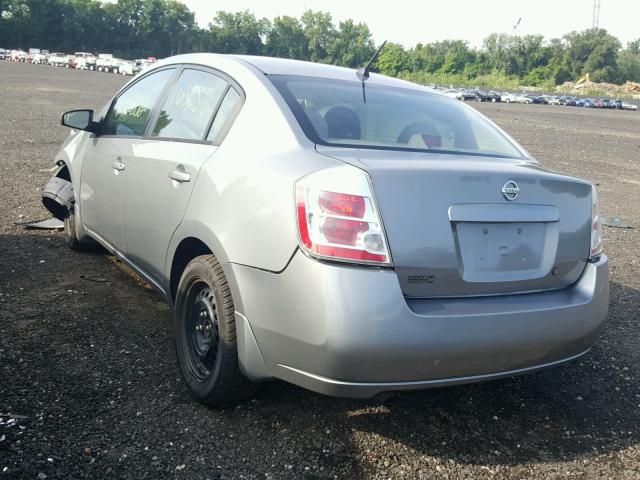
(349, 331)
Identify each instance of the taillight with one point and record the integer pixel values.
(597, 246)
(338, 218)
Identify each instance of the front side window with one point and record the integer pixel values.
(188, 109)
(335, 112)
(130, 112)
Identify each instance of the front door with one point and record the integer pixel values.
(104, 167)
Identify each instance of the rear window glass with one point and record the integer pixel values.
(188, 109)
(227, 108)
(334, 112)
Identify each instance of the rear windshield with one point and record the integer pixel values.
(335, 112)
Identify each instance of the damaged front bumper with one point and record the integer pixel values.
(58, 197)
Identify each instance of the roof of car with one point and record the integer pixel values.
(285, 66)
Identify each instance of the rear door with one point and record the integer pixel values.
(162, 169)
(104, 166)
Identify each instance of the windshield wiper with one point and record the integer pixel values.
(363, 72)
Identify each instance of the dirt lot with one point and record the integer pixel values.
(89, 386)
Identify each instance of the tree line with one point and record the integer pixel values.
(141, 28)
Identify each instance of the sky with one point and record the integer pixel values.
(410, 22)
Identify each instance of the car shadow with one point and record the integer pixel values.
(55, 300)
(586, 407)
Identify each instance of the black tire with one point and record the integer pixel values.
(70, 231)
(70, 234)
(205, 335)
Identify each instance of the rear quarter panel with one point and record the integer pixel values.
(242, 205)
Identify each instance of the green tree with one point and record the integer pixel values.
(239, 32)
(429, 57)
(286, 39)
(393, 59)
(629, 66)
(320, 32)
(592, 51)
(352, 45)
(457, 56)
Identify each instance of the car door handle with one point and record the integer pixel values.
(180, 176)
(118, 166)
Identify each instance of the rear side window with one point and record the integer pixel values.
(190, 105)
(227, 110)
(129, 115)
(336, 112)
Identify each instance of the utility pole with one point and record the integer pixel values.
(596, 14)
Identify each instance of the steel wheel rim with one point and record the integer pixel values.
(201, 330)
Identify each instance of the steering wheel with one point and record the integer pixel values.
(429, 135)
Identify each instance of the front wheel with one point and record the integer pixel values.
(205, 335)
(70, 234)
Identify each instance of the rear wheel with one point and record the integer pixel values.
(205, 335)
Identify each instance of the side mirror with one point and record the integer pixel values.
(79, 120)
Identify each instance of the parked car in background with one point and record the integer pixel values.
(586, 103)
(38, 59)
(141, 64)
(345, 254)
(484, 96)
(468, 94)
(453, 93)
(57, 59)
(554, 100)
(124, 67)
(104, 62)
(32, 52)
(539, 99)
(515, 98)
(566, 100)
(81, 60)
(628, 106)
(17, 55)
(3, 54)
(608, 103)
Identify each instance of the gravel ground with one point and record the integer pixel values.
(89, 386)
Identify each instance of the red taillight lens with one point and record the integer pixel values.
(342, 204)
(336, 225)
(342, 231)
(597, 246)
(302, 222)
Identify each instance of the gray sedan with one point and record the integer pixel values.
(352, 234)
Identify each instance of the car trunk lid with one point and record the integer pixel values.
(453, 232)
